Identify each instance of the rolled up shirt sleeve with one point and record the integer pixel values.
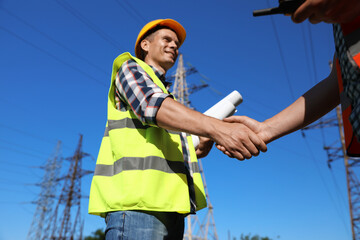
(137, 90)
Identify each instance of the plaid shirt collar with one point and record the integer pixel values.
(161, 76)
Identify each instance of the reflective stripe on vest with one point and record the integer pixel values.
(136, 163)
(124, 123)
(141, 167)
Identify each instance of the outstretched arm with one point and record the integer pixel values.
(240, 141)
(315, 103)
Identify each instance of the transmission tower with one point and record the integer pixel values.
(70, 199)
(40, 225)
(353, 184)
(337, 151)
(181, 91)
(196, 229)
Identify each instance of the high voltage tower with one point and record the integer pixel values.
(337, 151)
(62, 226)
(181, 91)
(196, 229)
(70, 197)
(40, 225)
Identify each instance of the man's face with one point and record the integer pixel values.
(162, 49)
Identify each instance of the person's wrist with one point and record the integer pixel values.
(267, 133)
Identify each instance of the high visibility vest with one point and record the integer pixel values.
(141, 167)
(352, 41)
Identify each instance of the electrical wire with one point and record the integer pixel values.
(24, 153)
(135, 11)
(51, 55)
(29, 134)
(287, 76)
(321, 119)
(292, 93)
(136, 16)
(312, 54)
(324, 183)
(312, 80)
(20, 107)
(72, 52)
(22, 146)
(88, 23)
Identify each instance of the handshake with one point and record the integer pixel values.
(245, 137)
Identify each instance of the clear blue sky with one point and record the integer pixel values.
(55, 66)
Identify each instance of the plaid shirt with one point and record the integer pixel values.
(351, 78)
(135, 89)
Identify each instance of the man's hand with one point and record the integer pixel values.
(204, 147)
(239, 141)
(330, 11)
(258, 128)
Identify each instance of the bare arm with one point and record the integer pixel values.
(315, 103)
(237, 138)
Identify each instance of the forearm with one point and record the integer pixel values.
(174, 116)
(314, 104)
(238, 140)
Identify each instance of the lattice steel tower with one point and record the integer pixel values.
(337, 151)
(196, 229)
(40, 225)
(67, 227)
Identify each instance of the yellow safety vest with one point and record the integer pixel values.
(141, 167)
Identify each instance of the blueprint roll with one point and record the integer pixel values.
(223, 109)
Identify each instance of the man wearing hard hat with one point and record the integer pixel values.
(147, 177)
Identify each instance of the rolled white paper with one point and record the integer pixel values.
(223, 109)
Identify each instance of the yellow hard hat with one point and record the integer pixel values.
(170, 23)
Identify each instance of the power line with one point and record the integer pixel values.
(292, 93)
(47, 140)
(35, 115)
(24, 153)
(40, 225)
(282, 56)
(17, 172)
(88, 23)
(28, 134)
(10, 190)
(16, 164)
(312, 53)
(12, 182)
(338, 189)
(51, 55)
(53, 40)
(134, 14)
(307, 56)
(70, 198)
(323, 181)
(22, 147)
(135, 11)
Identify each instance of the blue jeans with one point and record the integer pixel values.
(143, 225)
